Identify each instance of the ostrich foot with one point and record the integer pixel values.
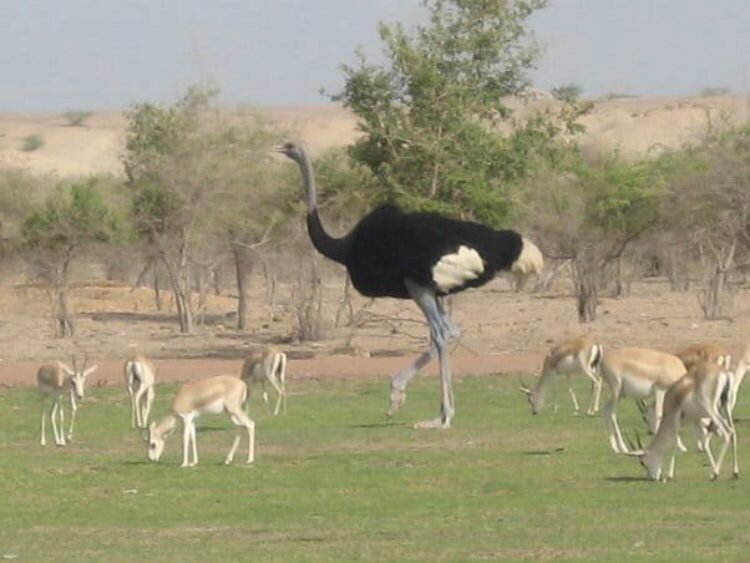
(439, 422)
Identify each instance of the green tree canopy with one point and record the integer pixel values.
(439, 129)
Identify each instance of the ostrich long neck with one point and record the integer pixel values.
(328, 246)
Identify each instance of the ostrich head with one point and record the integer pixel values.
(290, 150)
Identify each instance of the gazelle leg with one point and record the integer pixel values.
(185, 441)
(609, 414)
(61, 412)
(194, 439)
(73, 411)
(572, 393)
(43, 438)
(53, 422)
(279, 394)
(147, 407)
(137, 401)
(133, 405)
(596, 391)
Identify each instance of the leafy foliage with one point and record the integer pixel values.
(432, 116)
(72, 216)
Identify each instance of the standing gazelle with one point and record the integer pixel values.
(577, 355)
(706, 391)
(638, 373)
(213, 395)
(140, 376)
(53, 380)
(267, 364)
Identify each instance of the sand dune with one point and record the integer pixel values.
(636, 126)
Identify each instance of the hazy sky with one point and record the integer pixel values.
(105, 54)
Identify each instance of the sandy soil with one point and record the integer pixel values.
(634, 125)
(503, 331)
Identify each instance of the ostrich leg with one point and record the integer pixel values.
(442, 331)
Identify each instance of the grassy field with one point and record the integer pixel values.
(333, 482)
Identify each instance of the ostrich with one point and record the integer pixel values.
(418, 256)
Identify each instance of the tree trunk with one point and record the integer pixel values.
(243, 265)
(587, 290)
(63, 322)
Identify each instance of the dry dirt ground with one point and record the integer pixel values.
(503, 331)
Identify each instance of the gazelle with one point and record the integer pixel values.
(53, 380)
(140, 376)
(213, 395)
(267, 364)
(713, 354)
(578, 355)
(705, 352)
(706, 391)
(638, 373)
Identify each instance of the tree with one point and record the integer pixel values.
(73, 218)
(198, 181)
(710, 203)
(590, 214)
(438, 129)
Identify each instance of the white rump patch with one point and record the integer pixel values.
(454, 270)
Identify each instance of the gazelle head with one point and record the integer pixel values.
(155, 442)
(649, 459)
(534, 396)
(78, 376)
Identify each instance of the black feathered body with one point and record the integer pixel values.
(389, 246)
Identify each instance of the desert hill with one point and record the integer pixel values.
(636, 126)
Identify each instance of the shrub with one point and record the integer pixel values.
(32, 143)
(77, 118)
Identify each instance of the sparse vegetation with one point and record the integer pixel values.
(32, 143)
(76, 118)
(714, 91)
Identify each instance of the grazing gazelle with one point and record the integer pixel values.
(140, 376)
(53, 380)
(578, 355)
(691, 355)
(704, 392)
(213, 395)
(267, 364)
(638, 373)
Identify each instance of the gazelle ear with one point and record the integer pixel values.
(90, 370)
(67, 369)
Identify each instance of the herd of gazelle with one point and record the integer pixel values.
(695, 386)
(212, 395)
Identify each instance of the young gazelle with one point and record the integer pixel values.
(578, 355)
(704, 392)
(213, 395)
(53, 380)
(638, 373)
(140, 376)
(267, 364)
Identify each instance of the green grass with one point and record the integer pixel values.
(333, 482)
